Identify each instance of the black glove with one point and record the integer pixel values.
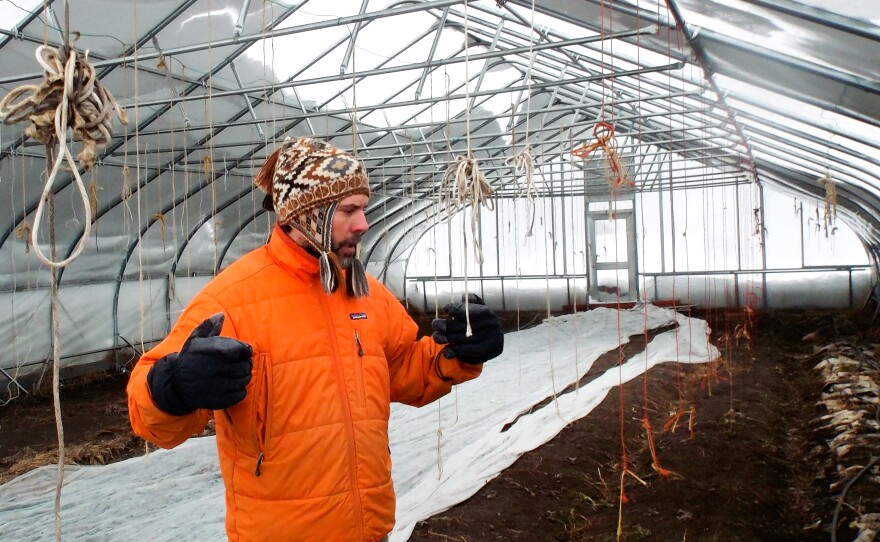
(487, 340)
(209, 372)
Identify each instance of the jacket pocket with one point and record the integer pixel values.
(249, 420)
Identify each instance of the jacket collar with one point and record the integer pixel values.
(289, 255)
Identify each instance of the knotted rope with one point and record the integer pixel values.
(615, 170)
(464, 184)
(70, 96)
(524, 162)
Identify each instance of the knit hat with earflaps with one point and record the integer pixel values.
(304, 180)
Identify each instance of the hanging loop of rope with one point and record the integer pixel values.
(464, 184)
(523, 163)
(70, 96)
(604, 134)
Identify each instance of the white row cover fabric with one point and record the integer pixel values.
(178, 494)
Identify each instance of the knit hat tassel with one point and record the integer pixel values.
(356, 284)
(331, 272)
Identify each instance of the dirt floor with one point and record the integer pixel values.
(739, 459)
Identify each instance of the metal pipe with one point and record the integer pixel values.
(421, 65)
(492, 47)
(351, 41)
(247, 99)
(794, 270)
(717, 135)
(700, 60)
(302, 106)
(549, 84)
(57, 24)
(763, 238)
(407, 167)
(242, 16)
(440, 26)
(186, 122)
(252, 38)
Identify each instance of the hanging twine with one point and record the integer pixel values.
(524, 161)
(464, 184)
(614, 168)
(70, 96)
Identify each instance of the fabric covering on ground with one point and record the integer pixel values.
(443, 453)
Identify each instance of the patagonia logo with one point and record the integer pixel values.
(358, 316)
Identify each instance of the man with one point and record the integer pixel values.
(299, 371)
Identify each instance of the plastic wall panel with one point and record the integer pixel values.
(702, 290)
(85, 318)
(24, 329)
(522, 294)
(185, 288)
(254, 235)
(816, 290)
(20, 269)
(141, 314)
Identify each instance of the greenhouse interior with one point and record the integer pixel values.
(686, 186)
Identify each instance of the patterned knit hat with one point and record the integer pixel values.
(305, 179)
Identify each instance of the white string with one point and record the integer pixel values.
(81, 95)
(524, 160)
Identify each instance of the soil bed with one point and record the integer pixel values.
(741, 475)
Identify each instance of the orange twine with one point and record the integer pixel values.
(656, 461)
(604, 134)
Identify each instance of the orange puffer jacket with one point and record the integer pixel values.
(305, 455)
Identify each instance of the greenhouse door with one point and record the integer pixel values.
(612, 255)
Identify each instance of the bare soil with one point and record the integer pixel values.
(736, 454)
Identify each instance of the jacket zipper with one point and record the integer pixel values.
(357, 339)
(360, 392)
(259, 462)
(263, 436)
(349, 423)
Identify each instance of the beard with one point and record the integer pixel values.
(351, 242)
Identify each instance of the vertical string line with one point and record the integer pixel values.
(56, 370)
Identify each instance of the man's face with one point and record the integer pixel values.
(349, 224)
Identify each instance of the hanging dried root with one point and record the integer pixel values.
(70, 96)
(524, 162)
(464, 184)
(24, 232)
(849, 406)
(614, 168)
(93, 199)
(160, 218)
(830, 215)
(126, 183)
